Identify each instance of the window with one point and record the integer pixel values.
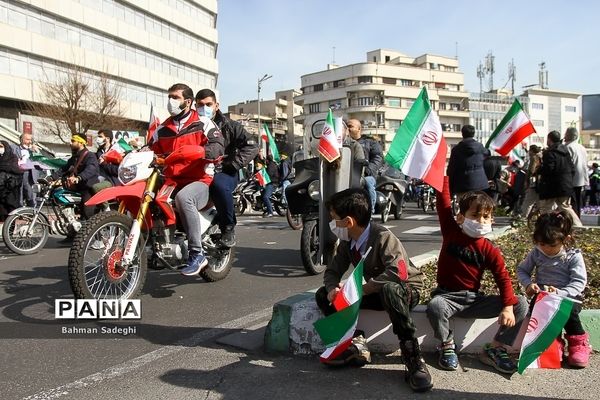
(339, 83)
(537, 106)
(387, 59)
(442, 106)
(389, 81)
(493, 124)
(365, 79)
(538, 122)
(478, 124)
(440, 85)
(318, 88)
(335, 105)
(393, 102)
(454, 106)
(406, 82)
(570, 109)
(394, 124)
(409, 103)
(365, 101)
(314, 108)
(17, 19)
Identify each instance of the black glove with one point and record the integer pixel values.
(229, 169)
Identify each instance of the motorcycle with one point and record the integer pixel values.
(112, 251)
(390, 185)
(427, 198)
(248, 195)
(26, 229)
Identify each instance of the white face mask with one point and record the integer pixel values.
(206, 111)
(175, 107)
(475, 229)
(561, 253)
(341, 233)
(100, 141)
(2, 151)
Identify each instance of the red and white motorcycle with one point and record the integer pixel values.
(112, 251)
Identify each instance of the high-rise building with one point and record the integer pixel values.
(143, 47)
(380, 91)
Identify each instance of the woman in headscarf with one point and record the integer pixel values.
(11, 178)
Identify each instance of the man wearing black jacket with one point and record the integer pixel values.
(239, 151)
(109, 172)
(465, 167)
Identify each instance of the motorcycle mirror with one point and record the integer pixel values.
(317, 128)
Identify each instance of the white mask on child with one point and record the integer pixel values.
(341, 233)
(561, 253)
(475, 229)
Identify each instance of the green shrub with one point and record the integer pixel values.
(515, 245)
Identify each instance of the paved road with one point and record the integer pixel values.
(179, 313)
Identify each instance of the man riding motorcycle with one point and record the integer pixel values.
(81, 172)
(197, 139)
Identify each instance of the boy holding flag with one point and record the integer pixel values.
(391, 283)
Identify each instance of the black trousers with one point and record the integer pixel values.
(397, 299)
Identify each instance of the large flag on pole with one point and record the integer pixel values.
(512, 130)
(419, 148)
(152, 124)
(337, 329)
(549, 316)
(328, 143)
(272, 145)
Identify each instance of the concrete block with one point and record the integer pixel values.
(590, 320)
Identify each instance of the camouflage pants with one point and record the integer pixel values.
(397, 299)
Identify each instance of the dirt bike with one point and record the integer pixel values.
(26, 229)
(111, 253)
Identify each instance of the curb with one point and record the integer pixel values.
(280, 336)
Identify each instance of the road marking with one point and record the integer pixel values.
(423, 230)
(419, 217)
(135, 363)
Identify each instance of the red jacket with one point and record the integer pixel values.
(195, 145)
(463, 259)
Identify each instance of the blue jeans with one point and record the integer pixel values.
(285, 184)
(370, 186)
(221, 192)
(266, 194)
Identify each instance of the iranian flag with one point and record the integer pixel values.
(117, 151)
(419, 148)
(328, 143)
(549, 316)
(512, 130)
(262, 177)
(337, 329)
(152, 124)
(272, 145)
(47, 162)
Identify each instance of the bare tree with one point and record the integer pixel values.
(76, 101)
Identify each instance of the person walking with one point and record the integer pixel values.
(579, 158)
(555, 185)
(465, 167)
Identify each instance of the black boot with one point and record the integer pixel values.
(416, 373)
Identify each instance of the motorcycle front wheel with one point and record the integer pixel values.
(309, 248)
(95, 269)
(16, 236)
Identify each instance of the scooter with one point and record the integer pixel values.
(391, 185)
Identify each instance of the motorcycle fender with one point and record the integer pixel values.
(117, 192)
(31, 210)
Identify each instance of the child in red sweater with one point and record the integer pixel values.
(464, 256)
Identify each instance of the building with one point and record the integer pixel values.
(547, 109)
(380, 91)
(142, 46)
(279, 114)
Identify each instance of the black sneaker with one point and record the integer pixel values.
(227, 238)
(416, 373)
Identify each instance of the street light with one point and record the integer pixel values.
(261, 80)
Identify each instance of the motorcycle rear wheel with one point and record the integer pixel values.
(14, 233)
(240, 205)
(279, 209)
(309, 248)
(397, 209)
(94, 260)
(220, 260)
(294, 221)
(385, 212)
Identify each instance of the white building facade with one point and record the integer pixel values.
(144, 46)
(380, 92)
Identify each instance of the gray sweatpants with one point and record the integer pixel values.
(191, 199)
(444, 304)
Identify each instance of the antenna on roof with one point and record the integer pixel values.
(333, 60)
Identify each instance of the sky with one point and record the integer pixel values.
(291, 38)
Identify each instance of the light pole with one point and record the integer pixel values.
(261, 80)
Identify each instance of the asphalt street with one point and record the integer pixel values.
(177, 349)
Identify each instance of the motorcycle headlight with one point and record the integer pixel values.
(313, 190)
(127, 174)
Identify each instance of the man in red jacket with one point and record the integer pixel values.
(199, 142)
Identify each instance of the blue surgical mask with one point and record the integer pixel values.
(206, 111)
